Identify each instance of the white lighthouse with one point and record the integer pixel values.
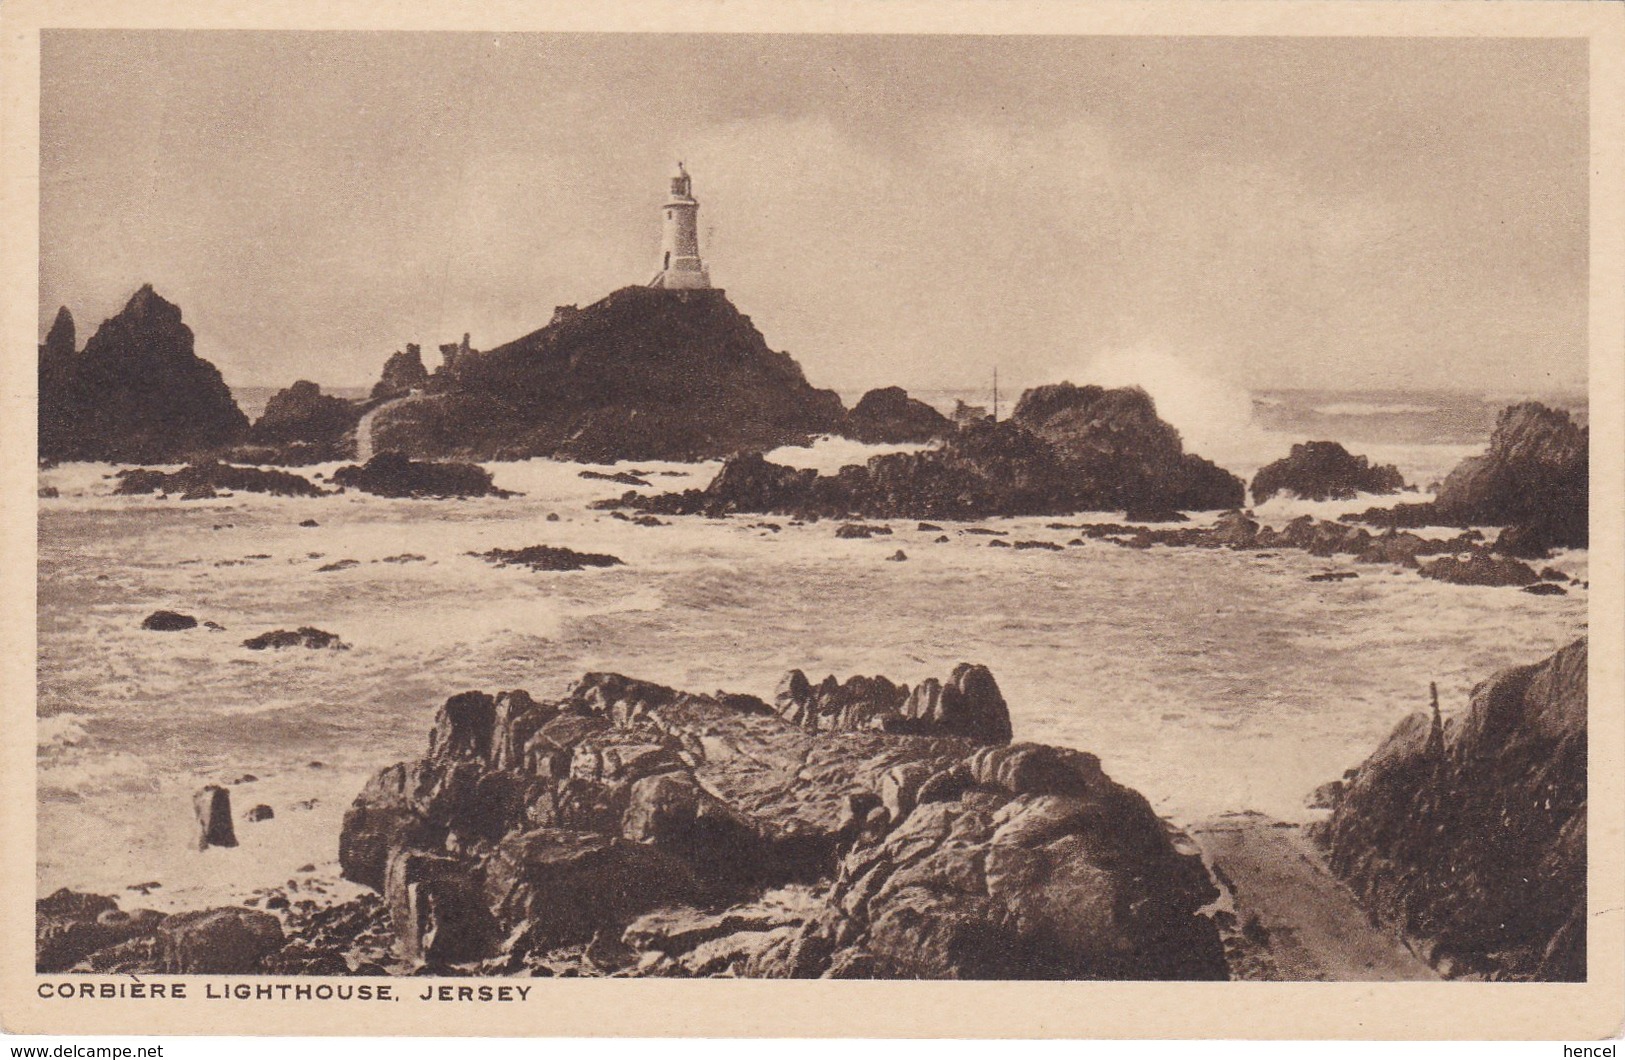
(680, 264)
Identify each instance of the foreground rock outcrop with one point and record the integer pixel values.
(1324, 471)
(1470, 836)
(633, 828)
(642, 374)
(136, 392)
(1066, 449)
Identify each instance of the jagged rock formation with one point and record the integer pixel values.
(1535, 476)
(136, 392)
(662, 832)
(969, 705)
(1324, 471)
(61, 342)
(642, 374)
(1124, 454)
(307, 426)
(1067, 449)
(403, 373)
(888, 416)
(1470, 836)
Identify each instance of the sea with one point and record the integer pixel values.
(1210, 681)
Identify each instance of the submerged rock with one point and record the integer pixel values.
(168, 621)
(303, 637)
(203, 481)
(548, 558)
(1470, 837)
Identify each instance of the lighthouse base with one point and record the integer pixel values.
(683, 276)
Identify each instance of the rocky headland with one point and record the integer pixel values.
(136, 392)
(1534, 480)
(1469, 836)
(849, 829)
(642, 374)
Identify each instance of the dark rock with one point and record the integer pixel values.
(436, 910)
(212, 807)
(136, 392)
(860, 530)
(547, 558)
(1523, 541)
(403, 372)
(168, 621)
(303, 414)
(338, 565)
(1479, 568)
(203, 481)
(391, 474)
(1067, 449)
(261, 812)
(1332, 576)
(1324, 471)
(888, 416)
(61, 342)
(643, 374)
(1038, 867)
(1534, 476)
(969, 705)
(1126, 457)
(898, 557)
(303, 637)
(1154, 515)
(48, 493)
(308, 522)
(566, 886)
(71, 926)
(996, 543)
(929, 528)
(653, 831)
(228, 941)
(623, 477)
(1048, 546)
(1470, 837)
(1552, 574)
(1545, 589)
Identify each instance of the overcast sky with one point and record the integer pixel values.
(1272, 212)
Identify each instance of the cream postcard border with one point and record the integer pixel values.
(742, 1008)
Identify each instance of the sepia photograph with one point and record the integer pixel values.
(516, 505)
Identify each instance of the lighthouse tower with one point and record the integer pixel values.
(680, 264)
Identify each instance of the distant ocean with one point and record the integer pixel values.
(1397, 417)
